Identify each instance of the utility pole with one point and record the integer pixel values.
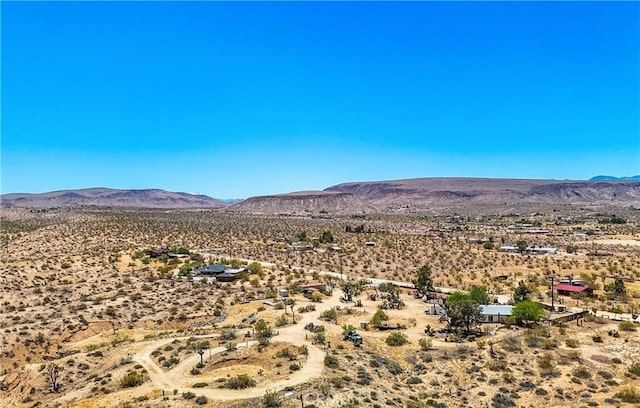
(553, 275)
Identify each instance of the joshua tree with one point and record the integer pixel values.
(53, 376)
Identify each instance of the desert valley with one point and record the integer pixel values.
(409, 293)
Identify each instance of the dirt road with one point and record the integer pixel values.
(180, 379)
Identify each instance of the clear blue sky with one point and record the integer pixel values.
(240, 99)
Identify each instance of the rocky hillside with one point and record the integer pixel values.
(305, 202)
(428, 193)
(106, 197)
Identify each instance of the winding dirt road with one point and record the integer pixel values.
(179, 377)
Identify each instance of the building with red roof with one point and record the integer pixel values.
(567, 290)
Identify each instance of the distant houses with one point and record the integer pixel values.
(529, 250)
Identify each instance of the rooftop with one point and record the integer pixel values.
(571, 288)
(504, 310)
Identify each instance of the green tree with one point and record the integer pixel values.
(423, 281)
(462, 312)
(528, 311)
(326, 237)
(616, 288)
(522, 245)
(255, 268)
(263, 332)
(479, 295)
(521, 293)
(379, 317)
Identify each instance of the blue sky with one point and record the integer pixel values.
(239, 99)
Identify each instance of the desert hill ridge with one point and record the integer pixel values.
(390, 196)
(107, 197)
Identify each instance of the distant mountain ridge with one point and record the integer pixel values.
(613, 178)
(392, 196)
(107, 197)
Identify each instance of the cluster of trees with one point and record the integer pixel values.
(612, 219)
(358, 229)
(463, 310)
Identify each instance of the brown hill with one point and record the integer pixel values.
(304, 202)
(429, 193)
(106, 197)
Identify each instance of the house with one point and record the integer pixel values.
(495, 313)
(508, 248)
(226, 277)
(574, 282)
(211, 270)
(542, 250)
(157, 253)
(567, 290)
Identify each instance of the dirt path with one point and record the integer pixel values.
(179, 378)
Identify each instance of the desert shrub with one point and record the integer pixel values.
(426, 357)
(199, 385)
(397, 339)
(393, 367)
(634, 369)
(546, 365)
(281, 321)
(501, 400)
(497, 365)
(596, 338)
(294, 367)
(132, 380)
(512, 344)
(286, 353)
(329, 315)
(581, 372)
(271, 399)
(629, 395)
(414, 380)
(331, 362)
(425, 344)
(379, 317)
(363, 377)
(240, 382)
(188, 395)
(572, 343)
(627, 326)
(201, 400)
(605, 374)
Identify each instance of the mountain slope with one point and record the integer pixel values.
(304, 202)
(426, 193)
(106, 197)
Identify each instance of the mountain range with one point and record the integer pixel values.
(393, 196)
(107, 197)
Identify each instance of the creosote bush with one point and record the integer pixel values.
(397, 339)
(132, 380)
